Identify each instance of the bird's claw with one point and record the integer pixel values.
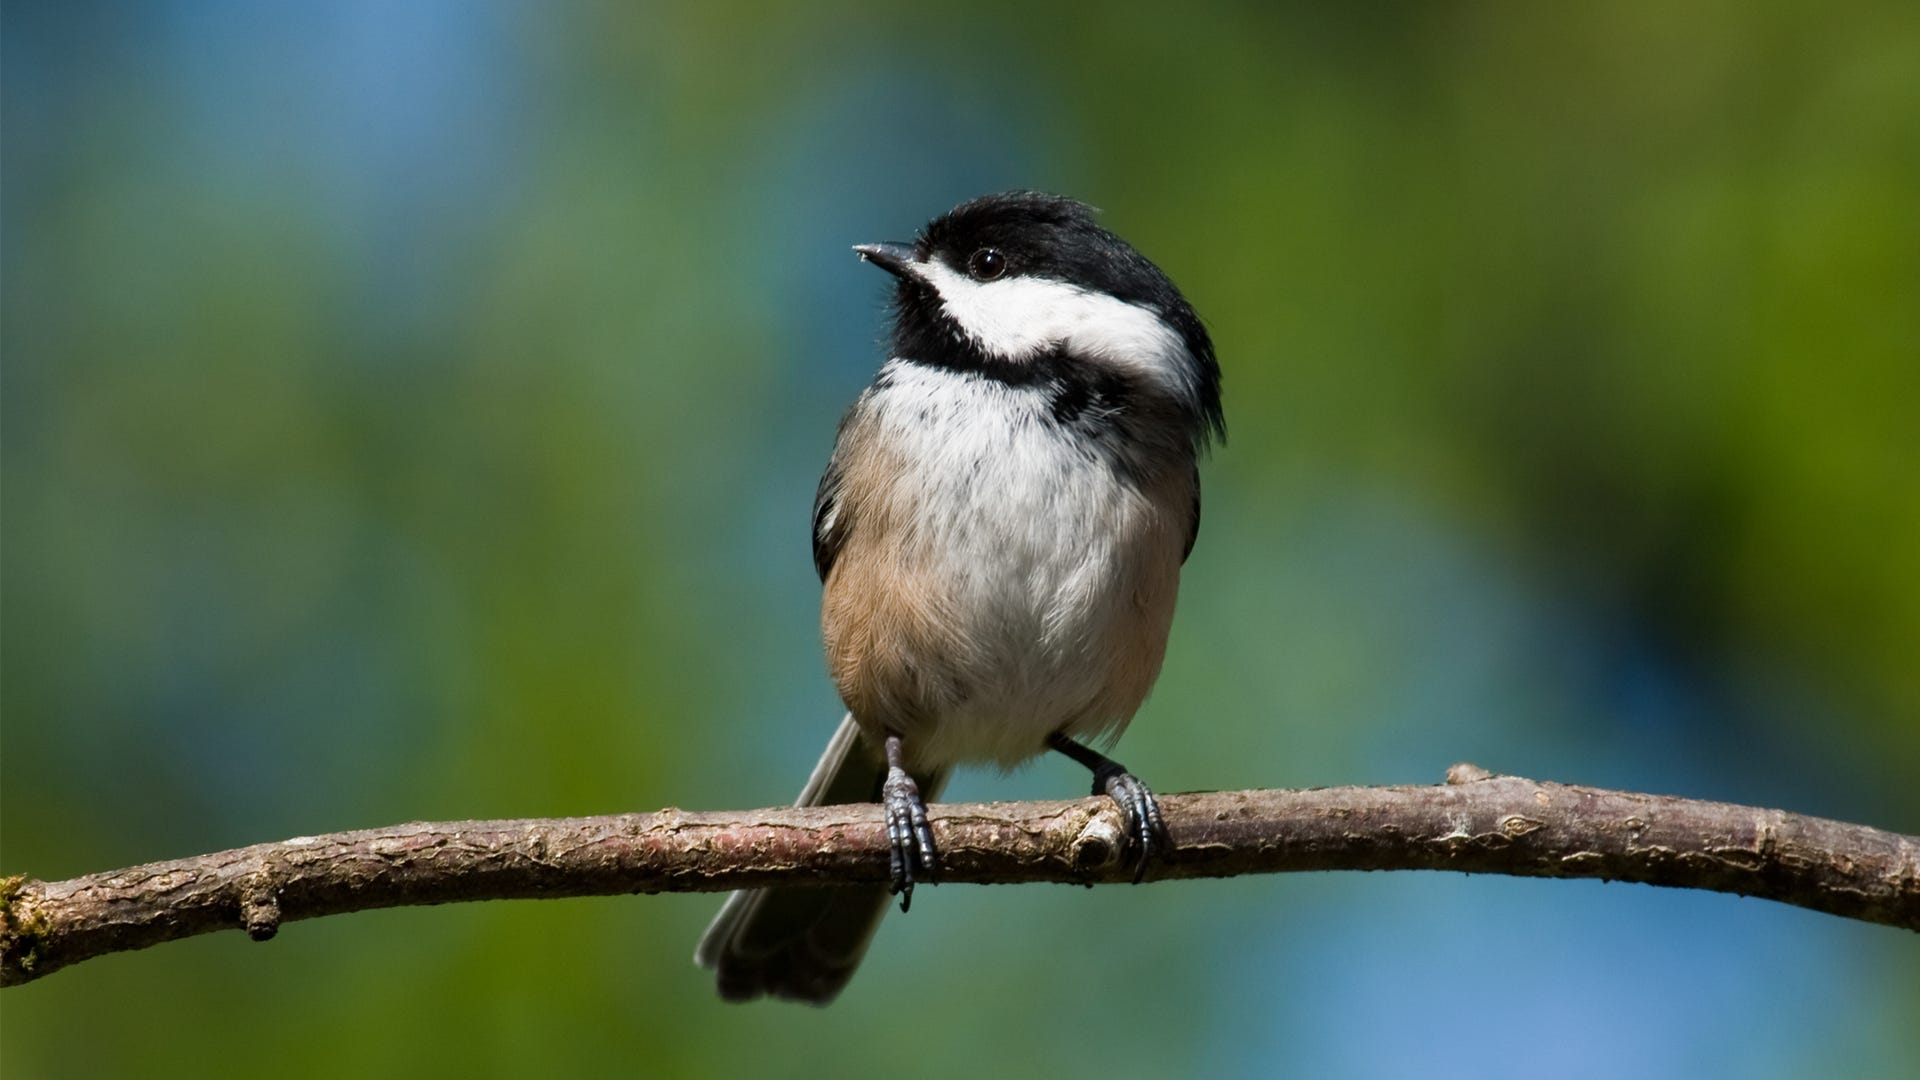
(1139, 813)
(911, 854)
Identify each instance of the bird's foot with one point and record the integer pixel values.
(911, 854)
(1139, 812)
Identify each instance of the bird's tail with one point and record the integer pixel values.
(797, 942)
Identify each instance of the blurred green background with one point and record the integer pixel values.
(412, 411)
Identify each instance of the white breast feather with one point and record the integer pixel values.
(1033, 539)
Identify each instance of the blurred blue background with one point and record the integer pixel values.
(412, 411)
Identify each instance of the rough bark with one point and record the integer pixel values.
(1474, 823)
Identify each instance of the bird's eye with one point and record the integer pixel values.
(986, 264)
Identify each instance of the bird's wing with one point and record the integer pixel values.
(829, 520)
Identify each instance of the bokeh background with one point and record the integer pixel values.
(412, 411)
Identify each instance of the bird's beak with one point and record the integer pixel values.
(895, 259)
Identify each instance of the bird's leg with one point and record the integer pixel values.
(909, 837)
(1139, 811)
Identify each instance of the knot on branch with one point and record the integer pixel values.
(1466, 772)
(260, 905)
(1098, 845)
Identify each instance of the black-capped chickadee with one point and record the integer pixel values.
(1000, 532)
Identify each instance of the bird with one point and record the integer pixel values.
(999, 534)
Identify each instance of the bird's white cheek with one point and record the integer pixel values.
(1018, 318)
(1013, 318)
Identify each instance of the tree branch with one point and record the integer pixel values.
(1475, 823)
